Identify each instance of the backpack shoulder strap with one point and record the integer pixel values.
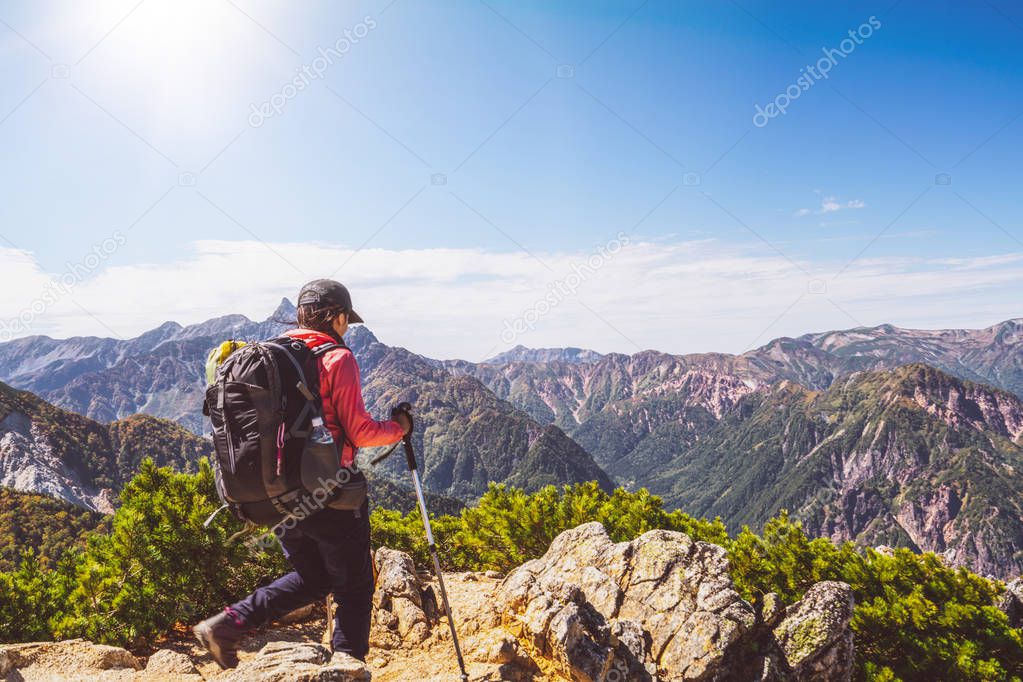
(320, 352)
(313, 404)
(303, 384)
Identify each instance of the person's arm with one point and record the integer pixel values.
(350, 410)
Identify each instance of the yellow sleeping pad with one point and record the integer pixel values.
(217, 357)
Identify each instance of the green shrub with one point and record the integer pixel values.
(154, 566)
(30, 597)
(915, 617)
(508, 526)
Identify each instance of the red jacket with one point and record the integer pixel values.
(344, 412)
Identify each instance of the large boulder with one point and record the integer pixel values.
(296, 662)
(72, 652)
(73, 659)
(401, 602)
(815, 636)
(171, 666)
(663, 607)
(659, 605)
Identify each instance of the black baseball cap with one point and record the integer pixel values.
(326, 293)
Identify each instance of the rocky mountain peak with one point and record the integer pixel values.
(956, 402)
(521, 353)
(360, 337)
(1009, 332)
(976, 406)
(285, 311)
(165, 331)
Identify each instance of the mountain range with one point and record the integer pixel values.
(909, 457)
(880, 435)
(615, 405)
(107, 379)
(65, 456)
(471, 436)
(45, 449)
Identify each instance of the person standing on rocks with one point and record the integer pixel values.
(330, 549)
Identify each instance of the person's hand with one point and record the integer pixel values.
(403, 420)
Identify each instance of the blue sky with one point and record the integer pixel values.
(456, 160)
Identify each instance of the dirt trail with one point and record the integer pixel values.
(431, 661)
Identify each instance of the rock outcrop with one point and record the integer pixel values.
(814, 635)
(67, 660)
(296, 662)
(661, 608)
(661, 603)
(399, 615)
(1011, 602)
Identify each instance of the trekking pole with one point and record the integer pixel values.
(410, 456)
(328, 637)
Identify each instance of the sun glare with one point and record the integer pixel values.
(186, 60)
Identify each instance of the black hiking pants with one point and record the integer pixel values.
(330, 553)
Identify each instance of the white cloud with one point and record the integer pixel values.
(673, 296)
(831, 204)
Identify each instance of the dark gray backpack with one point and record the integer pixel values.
(261, 406)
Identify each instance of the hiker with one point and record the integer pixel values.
(329, 549)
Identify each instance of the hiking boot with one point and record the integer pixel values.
(220, 635)
(349, 667)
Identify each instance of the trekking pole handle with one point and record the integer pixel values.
(410, 455)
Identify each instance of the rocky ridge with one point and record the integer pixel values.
(521, 353)
(618, 406)
(472, 436)
(468, 437)
(159, 372)
(911, 457)
(47, 450)
(659, 608)
(630, 396)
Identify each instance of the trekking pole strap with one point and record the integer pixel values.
(410, 455)
(209, 519)
(380, 458)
